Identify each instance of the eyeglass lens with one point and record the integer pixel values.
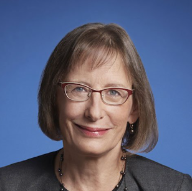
(79, 92)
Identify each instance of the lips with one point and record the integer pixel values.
(92, 132)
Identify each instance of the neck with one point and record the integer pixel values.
(90, 172)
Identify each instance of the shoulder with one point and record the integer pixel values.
(154, 175)
(23, 174)
(34, 165)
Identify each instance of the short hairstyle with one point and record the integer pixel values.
(98, 42)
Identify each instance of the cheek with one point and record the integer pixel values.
(69, 111)
(73, 110)
(120, 115)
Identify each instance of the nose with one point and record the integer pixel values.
(94, 110)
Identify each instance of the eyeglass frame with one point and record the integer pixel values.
(64, 84)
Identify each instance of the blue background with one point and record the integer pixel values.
(162, 33)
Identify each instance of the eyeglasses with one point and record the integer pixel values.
(80, 92)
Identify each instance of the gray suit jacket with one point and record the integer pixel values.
(37, 174)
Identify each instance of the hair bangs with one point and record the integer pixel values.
(96, 51)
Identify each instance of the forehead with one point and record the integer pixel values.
(95, 58)
(113, 62)
(112, 71)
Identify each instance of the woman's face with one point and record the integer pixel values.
(93, 127)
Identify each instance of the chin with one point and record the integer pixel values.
(92, 148)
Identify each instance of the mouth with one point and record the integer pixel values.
(92, 132)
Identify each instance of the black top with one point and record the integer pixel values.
(37, 174)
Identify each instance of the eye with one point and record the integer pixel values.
(79, 89)
(113, 92)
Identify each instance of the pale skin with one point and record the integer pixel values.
(93, 163)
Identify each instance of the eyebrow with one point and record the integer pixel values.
(115, 85)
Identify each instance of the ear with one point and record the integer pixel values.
(134, 114)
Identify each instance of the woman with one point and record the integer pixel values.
(95, 97)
